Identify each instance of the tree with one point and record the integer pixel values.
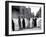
(38, 13)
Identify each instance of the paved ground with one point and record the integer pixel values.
(35, 28)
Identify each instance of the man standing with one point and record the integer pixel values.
(35, 21)
(13, 28)
(23, 22)
(19, 22)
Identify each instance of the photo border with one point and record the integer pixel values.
(7, 17)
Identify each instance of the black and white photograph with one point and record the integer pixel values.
(24, 18)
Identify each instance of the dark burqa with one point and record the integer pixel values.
(23, 22)
(13, 26)
(19, 23)
(35, 22)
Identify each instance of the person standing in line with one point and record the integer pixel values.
(23, 22)
(28, 22)
(35, 21)
(19, 21)
(13, 28)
